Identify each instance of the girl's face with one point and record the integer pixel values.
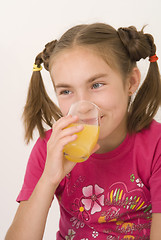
(81, 74)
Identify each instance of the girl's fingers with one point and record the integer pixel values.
(60, 127)
(64, 122)
(52, 149)
(71, 130)
(66, 140)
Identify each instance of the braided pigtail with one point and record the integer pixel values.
(148, 99)
(39, 107)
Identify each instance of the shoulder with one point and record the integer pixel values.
(39, 150)
(147, 142)
(154, 127)
(147, 145)
(151, 134)
(43, 141)
(46, 137)
(35, 167)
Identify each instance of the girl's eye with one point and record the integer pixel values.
(97, 85)
(65, 92)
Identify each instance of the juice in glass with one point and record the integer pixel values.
(80, 149)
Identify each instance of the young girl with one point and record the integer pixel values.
(116, 193)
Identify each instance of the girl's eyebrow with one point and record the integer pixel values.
(90, 80)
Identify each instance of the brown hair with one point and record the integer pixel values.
(122, 48)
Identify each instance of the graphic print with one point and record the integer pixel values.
(119, 195)
(81, 214)
(126, 209)
(117, 210)
(138, 181)
(93, 198)
(71, 235)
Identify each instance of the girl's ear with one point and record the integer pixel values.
(134, 81)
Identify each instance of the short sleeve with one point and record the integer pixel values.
(155, 180)
(34, 170)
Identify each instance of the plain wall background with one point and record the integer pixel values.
(26, 26)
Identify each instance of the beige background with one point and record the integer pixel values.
(26, 26)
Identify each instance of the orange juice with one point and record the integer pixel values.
(80, 149)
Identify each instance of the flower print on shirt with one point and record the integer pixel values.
(79, 208)
(71, 235)
(139, 183)
(77, 223)
(94, 198)
(95, 234)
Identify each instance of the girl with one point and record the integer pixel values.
(116, 193)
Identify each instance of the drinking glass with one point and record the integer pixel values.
(80, 149)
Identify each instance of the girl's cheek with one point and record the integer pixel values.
(64, 108)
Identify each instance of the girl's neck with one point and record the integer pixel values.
(112, 141)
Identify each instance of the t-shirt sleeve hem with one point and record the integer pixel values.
(24, 195)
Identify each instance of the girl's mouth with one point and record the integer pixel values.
(91, 121)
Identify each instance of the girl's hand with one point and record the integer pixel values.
(57, 166)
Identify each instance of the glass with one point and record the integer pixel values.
(80, 149)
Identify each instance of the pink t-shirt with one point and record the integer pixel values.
(109, 196)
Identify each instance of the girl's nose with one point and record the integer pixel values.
(84, 107)
(82, 95)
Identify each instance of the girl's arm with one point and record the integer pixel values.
(30, 219)
(155, 233)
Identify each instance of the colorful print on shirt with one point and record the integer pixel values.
(116, 212)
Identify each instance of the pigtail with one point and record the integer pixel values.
(39, 108)
(147, 101)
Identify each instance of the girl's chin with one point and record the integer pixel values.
(103, 136)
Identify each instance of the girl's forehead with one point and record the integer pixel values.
(74, 52)
(77, 59)
(78, 62)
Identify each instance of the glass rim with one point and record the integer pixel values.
(81, 101)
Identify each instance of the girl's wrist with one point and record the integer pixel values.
(46, 180)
